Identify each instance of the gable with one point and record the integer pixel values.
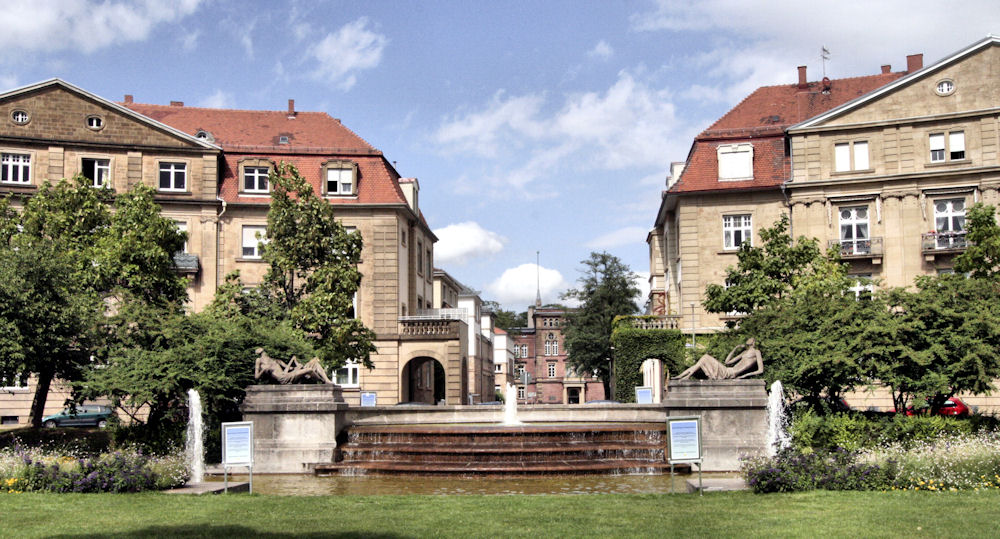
(56, 113)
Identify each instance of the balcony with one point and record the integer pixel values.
(418, 328)
(654, 322)
(934, 243)
(856, 249)
(186, 262)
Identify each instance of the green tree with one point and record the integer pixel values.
(505, 319)
(981, 258)
(607, 289)
(763, 274)
(313, 273)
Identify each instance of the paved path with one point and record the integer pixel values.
(717, 484)
(214, 487)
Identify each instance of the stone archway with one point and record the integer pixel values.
(652, 376)
(422, 379)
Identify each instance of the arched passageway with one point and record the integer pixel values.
(422, 380)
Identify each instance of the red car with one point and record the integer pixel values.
(953, 407)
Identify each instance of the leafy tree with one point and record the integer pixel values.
(607, 289)
(313, 272)
(981, 258)
(505, 319)
(72, 253)
(763, 274)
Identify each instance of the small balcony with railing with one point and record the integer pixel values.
(433, 324)
(935, 243)
(868, 248)
(670, 321)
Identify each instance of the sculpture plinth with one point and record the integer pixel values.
(295, 425)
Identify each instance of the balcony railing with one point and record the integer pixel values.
(440, 314)
(415, 328)
(866, 248)
(943, 242)
(655, 322)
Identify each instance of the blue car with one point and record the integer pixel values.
(86, 415)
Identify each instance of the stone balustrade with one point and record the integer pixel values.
(424, 328)
(659, 322)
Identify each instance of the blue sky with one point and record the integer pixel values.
(531, 125)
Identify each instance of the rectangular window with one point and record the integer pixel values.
(173, 176)
(937, 147)
(552, 370)
(520, 370)
(182, 226)
(735, 162)
(949, 223)
(956, 145)
(430, 265)
(854, 238)
(339, 181)
(253, 241)
(498, 367)
(420, 257)
(863, 287)
(736, 229)
(849, 156)
(520, 393)
(348, 375)
(98, 171)
(255, 179)
(15, 168)
(548, 348)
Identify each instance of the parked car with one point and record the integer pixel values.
(953, 407)
(94, 415)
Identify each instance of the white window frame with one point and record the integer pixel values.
(949, 223)
(351, 372)
(343, 183)
(862, 283)
(257, 243)
(257, 174)
(735, 162)
(947, 146)
(520, 393)
(176, 176)
(733, 223)
(19, 383)
(855, 224)
(551, 369)
(498, 367)
(851, 156)
(182, 226)
(101, 171)
(15, 161)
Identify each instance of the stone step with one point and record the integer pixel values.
(518, 449)
(511, 468)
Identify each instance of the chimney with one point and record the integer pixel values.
(887, 68)
(176, 103)
(291, 109)
(914, 62)
(128, 98)
(803, 83)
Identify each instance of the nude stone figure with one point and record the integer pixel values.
(288, 373)
(710, 368)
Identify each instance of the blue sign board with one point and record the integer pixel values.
(643, 395)
(685, 438)
(368, 398)
(237, 443)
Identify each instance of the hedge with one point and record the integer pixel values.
(633, 346)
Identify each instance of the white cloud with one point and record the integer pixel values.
(617, 238)
(630, 124)
(461, 242)
(642, 282)
(350, 49)
(86, 26)
(218, 100)
(189, 41)
(516, 287)
(601, 51)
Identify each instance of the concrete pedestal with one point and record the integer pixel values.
(733, 417)
(295, 426)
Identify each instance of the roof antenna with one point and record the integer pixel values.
(824, 53)
(538, 282)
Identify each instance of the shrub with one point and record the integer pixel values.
(949, 463)
(791, 470)
(120, 471)
(856, 431)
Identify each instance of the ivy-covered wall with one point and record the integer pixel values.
(633, 346)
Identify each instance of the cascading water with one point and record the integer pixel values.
(195, 447)
(777, 421)
(510, 406)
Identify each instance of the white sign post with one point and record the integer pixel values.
(237, 448)
(684, 444)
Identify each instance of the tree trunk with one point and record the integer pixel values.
(41, 395)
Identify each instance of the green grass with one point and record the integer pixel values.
(738, 514)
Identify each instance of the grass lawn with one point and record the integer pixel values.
(738, 514)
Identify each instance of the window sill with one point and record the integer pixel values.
(171, 192)
(250, 260)
(729, 251)
(18, 185)
(849, 172)
(342, 197)
(255, 194)
(748, 179)
(947, 163)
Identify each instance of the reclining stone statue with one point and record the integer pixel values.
(292, 372)
(711, 369)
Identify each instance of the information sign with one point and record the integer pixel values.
(643, 395)
(368, 398)
(684, 438)
(237, 443)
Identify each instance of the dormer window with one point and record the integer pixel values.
(283, 139)
(735, 162)
(340, 178)
(95, 123)
(204, 135)
(254, 174)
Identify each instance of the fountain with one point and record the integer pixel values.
(777, 421)
(510, 407)
(194, 447)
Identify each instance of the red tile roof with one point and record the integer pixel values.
(313, 138)
(761, 119)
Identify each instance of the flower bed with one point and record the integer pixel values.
(36, 470)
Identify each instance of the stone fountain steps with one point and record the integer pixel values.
(612, 448)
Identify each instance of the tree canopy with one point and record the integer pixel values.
(981, 258)
(505, 319)
(607, 289)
